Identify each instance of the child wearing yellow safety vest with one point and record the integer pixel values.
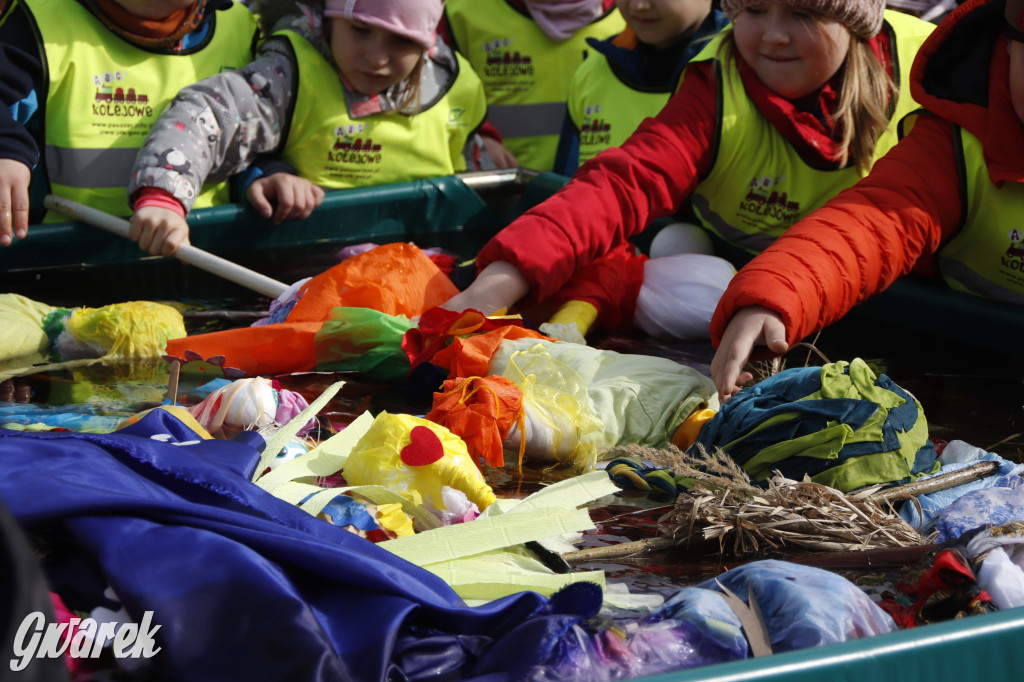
(628, 77)
(344, 93)
(791, 104)
(526, 52)
(946, 201)
(82, 81)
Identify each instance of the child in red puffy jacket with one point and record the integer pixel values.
(778, 114)
(946, 200)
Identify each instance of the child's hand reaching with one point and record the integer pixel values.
(748, 327)
(498, 286)
(160, 231)
(499, 154)
(14, 179)
(295, 197)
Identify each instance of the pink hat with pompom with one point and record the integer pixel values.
(413, 19)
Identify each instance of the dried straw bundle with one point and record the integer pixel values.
(747, 520)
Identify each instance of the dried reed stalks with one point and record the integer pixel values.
(748, 520)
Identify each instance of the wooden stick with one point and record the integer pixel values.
(204, 260)
(936, 483)
(622, 549)
(172, 382)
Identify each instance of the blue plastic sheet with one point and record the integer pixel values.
(804, 606)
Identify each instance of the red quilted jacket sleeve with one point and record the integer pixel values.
(614, 195)
(859, 242)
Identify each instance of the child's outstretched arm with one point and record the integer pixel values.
(749, 327)
(498, 286)
(14, 179)
(215, 128)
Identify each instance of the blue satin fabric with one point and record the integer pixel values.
(246, 586)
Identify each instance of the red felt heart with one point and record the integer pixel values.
(424, 447)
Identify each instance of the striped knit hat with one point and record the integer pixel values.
(862, 17)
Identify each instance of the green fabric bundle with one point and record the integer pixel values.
(839, 424)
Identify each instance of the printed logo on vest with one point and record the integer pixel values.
(351, 147)
(354, 156)
(766, 200)
(354, 150)
(455, 115)
(116, 98)
(505, 64)
(1013, 257)
(595, 131)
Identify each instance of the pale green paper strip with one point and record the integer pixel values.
(422, 519)
(545, 585)
(508, 567)
(486, 534)
(315, 504)
(572, 492)
(294, 492)
(325, 459)
(493, 575)
(340, 445)
(288, 431)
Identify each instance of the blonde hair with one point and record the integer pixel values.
(865, 93)
(864, 104)
(407, 98)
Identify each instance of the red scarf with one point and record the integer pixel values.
(811, 136)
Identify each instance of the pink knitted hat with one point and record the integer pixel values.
(414, 19)
(862, 17)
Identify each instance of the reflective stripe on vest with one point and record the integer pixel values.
(526, 74)
(330, 148)
(104, 94)
(605, 110)
(779, 187)
(986, 256)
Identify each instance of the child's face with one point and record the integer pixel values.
(663, 22)
(153, 9)
(793, 52)
(1017, 77)
(371, 58)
